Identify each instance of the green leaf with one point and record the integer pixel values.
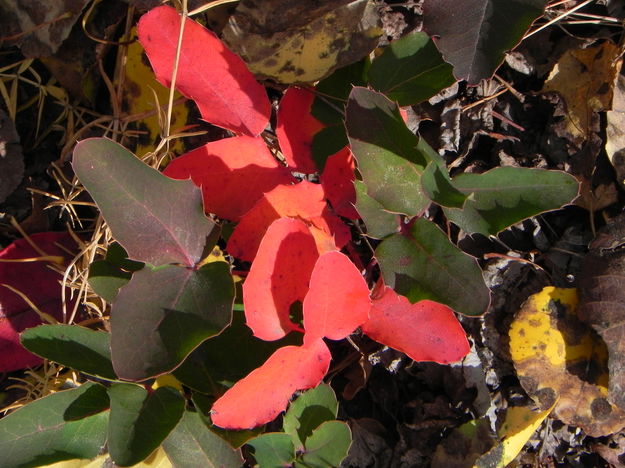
(506, 195)
(327, 446)
(308, 412)
(424, 264)
(227, 358)
(162, 314)
(73, 346)
(388, 154)
(410, 70)
(273, 450)
(108, 275)
(439, 187)
(380, 223)
(139, 421)
(62, 426)
(158, 220)
(192, 444)
(326, 142)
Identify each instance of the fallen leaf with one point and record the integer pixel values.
(224, 90)
(37, 281)
(259, 398)
(473, 35)
(601, 284)
(304, 201)
(302, 42)
(615, 129)
(560, 360)
(40, 26)
(11, 157)
(424, 331)
(337, 180)
(278, 277)
(296, 128)
(220, 168)
(585, 78)
(338, 299)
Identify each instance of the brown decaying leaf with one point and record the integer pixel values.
(601, 285)
(584, 78)
(11, 158)
(559, 358)
(615, 130)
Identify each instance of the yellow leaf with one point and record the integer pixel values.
(158, 459)
(562, 362)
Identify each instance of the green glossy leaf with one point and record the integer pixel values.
(410, 70)
(424, 264)
(62, 426)
(140, 421)
(192, 444)
(108, 275)
(73, 346)
(327, 446)
(506, 195)
(227, 358)
(439, 187)
(387, 152)
(162, 314)
(158, 220)
(380, 223)
(308, 412)
(273, 450)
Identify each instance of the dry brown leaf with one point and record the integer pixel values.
(584, 78)
(615, 130)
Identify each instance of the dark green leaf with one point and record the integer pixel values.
(387, 152)
(139, 421)
(474, 35)
(162, 314)
(192, 444)
(424, 264)
(380, 223)
(327, 446)
(49, 430)
(410, 70)
(506, 195)
(73, 346)
(326, 142)
(439, 187)
(273, 450)
(308, 412)
(227, 358)
(108, 275)
(157, 219)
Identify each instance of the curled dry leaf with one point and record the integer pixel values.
(424, 331)
(278, 277)
(296, 128)
(601, 286)
(220, 168)
(265, 392)
(224, 90)
(304, 201)
(560, 360)
(37, 281)
(338, 299)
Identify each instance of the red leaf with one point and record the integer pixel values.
(221, 168)
(337, 181)
(224, 90)
(258, 398)
(302, 201)
(278, 277)
(296, 128)
(424, 331)
(39, 283)
(338, 299)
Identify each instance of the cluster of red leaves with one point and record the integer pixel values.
(290, 230)
(23, 269)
